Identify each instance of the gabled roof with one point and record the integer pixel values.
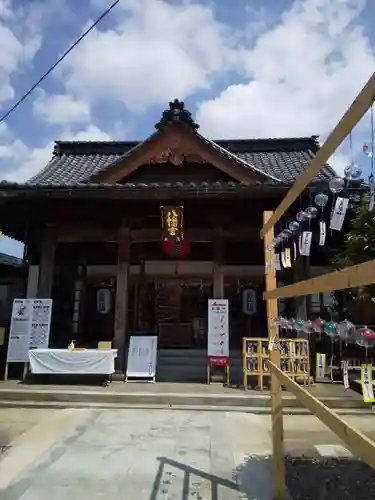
(267, 161)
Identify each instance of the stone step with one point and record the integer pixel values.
(250, 399)
(260, 410)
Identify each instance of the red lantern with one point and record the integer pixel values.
(176, 249)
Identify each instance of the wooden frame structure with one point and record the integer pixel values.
(354, 276)
(288, 361)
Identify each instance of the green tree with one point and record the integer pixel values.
(358, 246)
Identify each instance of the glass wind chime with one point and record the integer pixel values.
(285, 245)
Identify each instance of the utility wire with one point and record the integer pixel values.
(20, 101)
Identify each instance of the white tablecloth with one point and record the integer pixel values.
(64, 361)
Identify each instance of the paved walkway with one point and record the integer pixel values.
(142, 455)
(175, 455)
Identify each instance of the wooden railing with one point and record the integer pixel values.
(355, 276)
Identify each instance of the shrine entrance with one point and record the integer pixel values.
(173, 308)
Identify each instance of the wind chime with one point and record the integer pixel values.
(369, 152)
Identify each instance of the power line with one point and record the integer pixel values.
(20, 101)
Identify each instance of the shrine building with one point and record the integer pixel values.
(135, 237)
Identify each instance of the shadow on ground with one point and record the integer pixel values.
(329, 479)
(307, 479)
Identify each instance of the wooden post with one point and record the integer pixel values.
(47, 263)
(276, 389)
(218, 276)
(121, 301)
(277, 429)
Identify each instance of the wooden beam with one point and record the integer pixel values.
(101, 234)
(358, 443)
(47, 263)
(350, 277)
(352, 116)
(271, 282)
(122, 290)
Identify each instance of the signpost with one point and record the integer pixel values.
(218, 335)
(29, 329)
(141, 363)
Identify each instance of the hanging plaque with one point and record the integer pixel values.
(172, 221)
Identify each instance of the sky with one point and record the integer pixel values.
(245, 68)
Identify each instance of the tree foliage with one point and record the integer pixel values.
(358, 246)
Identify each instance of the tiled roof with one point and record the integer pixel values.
(10, 260)
(278, 159)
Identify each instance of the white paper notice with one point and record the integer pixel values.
(306, 243)
(277, 262)
(366, 382)
(320, 365)
(29, 328)
(218, 332)
(323, 233)
(345, 374)
(338, 214)
(40, 324)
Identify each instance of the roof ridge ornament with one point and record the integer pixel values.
(176, 113)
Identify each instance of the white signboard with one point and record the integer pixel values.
(249, 301)
(29, 328)
(142, 357)
(218, 332)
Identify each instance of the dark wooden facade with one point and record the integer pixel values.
(91, 220)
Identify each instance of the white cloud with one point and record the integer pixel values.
(91, 133)
(61, 109)
(157, 50)
(18, 46)
(302, 75)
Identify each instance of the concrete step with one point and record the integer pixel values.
(248, 400)
(260, 410)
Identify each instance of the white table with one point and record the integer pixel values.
(72, 362)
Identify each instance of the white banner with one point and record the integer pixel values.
(142, 357)
(218, 332)
(29, 328)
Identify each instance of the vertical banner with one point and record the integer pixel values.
(366, 383)
(321, 364)
(172, 222)
(29, 328)
(218, 332)
(345, 373)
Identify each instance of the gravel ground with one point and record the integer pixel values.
(310, 478)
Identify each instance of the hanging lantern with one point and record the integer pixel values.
(311, 212)
(321, 200)
(301, 216)
(176, 250)
(103, 301)
(353, 172)
(294, 226)
(336, 185)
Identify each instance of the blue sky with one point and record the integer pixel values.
(246, 68)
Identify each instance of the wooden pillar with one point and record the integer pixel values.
(218, 275)
(47, 263)
(122, 290)
(276, 389)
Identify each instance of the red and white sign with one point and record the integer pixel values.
(218, 332)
